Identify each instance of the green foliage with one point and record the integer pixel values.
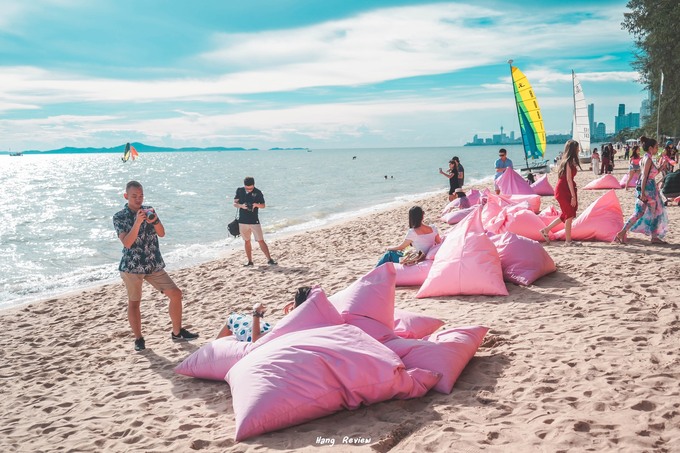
(654, 25)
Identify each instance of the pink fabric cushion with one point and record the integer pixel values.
(633, 181)
(599, 222)
(414, 325)
(512, 183)
(433, 250)
(524, 261)
(603, 182)
(313, 373)
(533, 200)
(543, 187)
(214, 360)
(446, 352)
(467, 263)
(413, 275)
(371, 296)
(525, 223)
(456, 216)
(316, 311)
(548, 215)
(474, 197)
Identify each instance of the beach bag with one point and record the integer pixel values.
(233, 227)
(412, 257)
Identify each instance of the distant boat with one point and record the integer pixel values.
(129, 152)
(581, 122)
(16, 153)
(530, 123)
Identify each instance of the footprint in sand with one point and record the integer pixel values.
(646, 406)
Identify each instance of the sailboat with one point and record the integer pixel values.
(581, 122)
(130, 151)
(530, 123)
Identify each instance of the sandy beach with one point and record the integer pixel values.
(586, 359)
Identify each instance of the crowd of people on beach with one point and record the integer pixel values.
(138, 227)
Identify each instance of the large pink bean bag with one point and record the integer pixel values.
(456, 216)
(213, 360)
(492, 216)
(312, 373)
(512, 183)
(603, 182)
(523, 260)
(474, 196)
(414, 325)
(633, 181)
(372, 296)
(446, 352)
(542, 187)
(533, 200)
(599, 222)
(548, 215)
(466, 263)
(524, 222)
(413, 275)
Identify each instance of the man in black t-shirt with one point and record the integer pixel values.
(250, 200)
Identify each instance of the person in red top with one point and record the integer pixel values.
(565, 192)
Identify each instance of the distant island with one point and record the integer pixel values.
(141, 147)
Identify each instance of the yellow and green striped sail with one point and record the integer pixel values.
(530, 119)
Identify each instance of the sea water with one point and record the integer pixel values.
(56, 231)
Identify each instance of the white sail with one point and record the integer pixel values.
(581, 126)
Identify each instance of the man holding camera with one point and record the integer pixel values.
(249, 200)
(138, 228)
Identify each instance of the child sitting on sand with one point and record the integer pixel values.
(248, 328)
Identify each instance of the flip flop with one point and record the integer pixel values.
(619, 239)
(545, 236)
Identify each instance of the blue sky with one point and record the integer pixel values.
(289, 73)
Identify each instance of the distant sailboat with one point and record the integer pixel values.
(530, 123)
(129, 152)
(581, 121)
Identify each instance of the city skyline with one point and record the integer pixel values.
(371, 73)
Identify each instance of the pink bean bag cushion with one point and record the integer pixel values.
(446, 352)
(599, 222)
(533, 200)
(512, 183)
(548, 215)
(633, 181)
(524, 222)
(413, 275)
(414, 325)
(474, 196)
(603, 182)
(523, 260)
(371, 296)
(542, 187)
(312, 373)
(466, 263)
(214, 360)
(456, 216)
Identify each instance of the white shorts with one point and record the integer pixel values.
(246, 229)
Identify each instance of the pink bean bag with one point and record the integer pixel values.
(524, 222)
(512, 183)
(548, 215)
(414, 325)
(466, 263)
(474, 196)
(633, 181)
(599, 222)
(523, 260)
(492, 216)
(312, 373)
(456, 216)
(603, 182)
(413, 275)
(533, 200)
(446, 352)
(542, 187)
(213, 360)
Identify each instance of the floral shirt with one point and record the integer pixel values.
(144, 257)
(242, 327)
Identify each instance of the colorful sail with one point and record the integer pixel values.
(129, 152)
(530, 119)
(581, 124)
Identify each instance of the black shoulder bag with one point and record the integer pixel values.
(233, 226)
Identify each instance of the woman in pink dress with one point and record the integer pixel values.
(565, 192)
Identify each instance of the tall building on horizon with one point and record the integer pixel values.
(591, 118)
(626, 121)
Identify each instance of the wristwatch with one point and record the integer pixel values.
(258, 314)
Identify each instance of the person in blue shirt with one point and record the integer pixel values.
(502, 164)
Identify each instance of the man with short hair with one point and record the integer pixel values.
(138, 228)
(502, 164)
(250, 200)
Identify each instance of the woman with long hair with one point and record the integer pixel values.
(565, 191)
(634, 167)
(420, 236)
(650, 216)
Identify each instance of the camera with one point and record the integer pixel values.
(249, 206)
(150, 214)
